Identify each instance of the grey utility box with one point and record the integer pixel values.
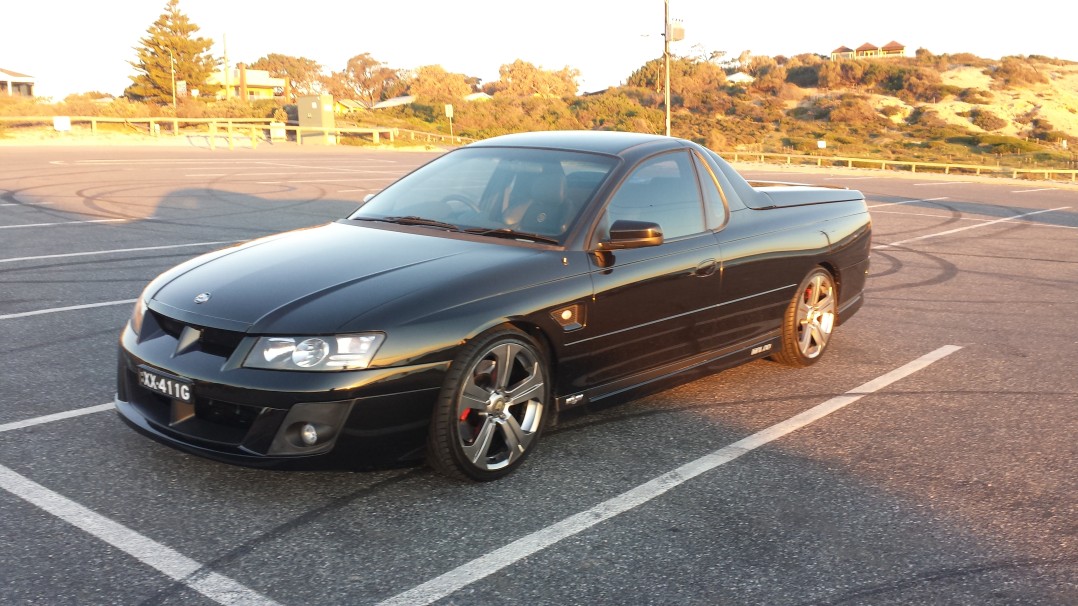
(316, 112)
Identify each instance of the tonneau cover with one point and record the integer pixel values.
(800, 195)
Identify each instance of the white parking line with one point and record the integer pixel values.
(958, 229)
(906, 202)
(484, 566)
(116, 251)
(59, 416)
(942, 183)
(64, 223)
(1026, 191)
(53, 310)
(327, 180)
(166, 560)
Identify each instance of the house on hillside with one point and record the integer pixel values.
(869, 51)
(247, 84)
(14, 84)
(893, 49)
(347, 106)
(740, 79)
(842, 52)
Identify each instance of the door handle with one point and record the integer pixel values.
(706, 268)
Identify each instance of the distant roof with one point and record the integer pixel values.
(739, 77)
(892, 45)
(867, 46)
(477, 97)
(843, 49)
(15, 74)
(351, 104)
(395, 101)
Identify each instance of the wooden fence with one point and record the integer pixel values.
(229, 131)
(913, 166)
(254, 130)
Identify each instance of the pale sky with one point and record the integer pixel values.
(73, 46)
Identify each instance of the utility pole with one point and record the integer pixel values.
(228, 83)
(670, 34)
(172, 60)
(666, 59)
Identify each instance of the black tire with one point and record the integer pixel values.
(486, 422)
(809, 320)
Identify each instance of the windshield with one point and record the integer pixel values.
(495, 191)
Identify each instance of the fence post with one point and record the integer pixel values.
(213, 135)
(254, 140)
(175, 127)
(231, 142)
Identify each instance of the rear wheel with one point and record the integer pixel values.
(491, 410)
(809, 320)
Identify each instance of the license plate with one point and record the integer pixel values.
(171, 387)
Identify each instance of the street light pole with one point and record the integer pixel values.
(666, 59)
(172, 60)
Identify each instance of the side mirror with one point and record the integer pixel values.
(632, 234)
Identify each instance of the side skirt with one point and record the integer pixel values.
(716, 360)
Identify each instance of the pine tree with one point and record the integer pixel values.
(171, 32)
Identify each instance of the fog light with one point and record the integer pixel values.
(308, 434)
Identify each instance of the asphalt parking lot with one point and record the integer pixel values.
(930, 457)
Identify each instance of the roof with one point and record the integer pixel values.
(351, 104)
(8, 72)
(892, 45)
(395, 101)
(842, 49)
(603, 142)
(739, 77)
(867, 46)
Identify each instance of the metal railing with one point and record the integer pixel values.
(252, 129)
(229, 131)
(945, 168)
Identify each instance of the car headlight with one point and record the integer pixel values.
(138, 313)
(340, 352)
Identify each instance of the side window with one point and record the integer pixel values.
(714, 197)
(662, 190)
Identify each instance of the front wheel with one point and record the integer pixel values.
(809, 320)
(490, 411)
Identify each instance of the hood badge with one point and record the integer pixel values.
(202, 297)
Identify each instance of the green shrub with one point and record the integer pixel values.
(975, 96)
(986, 120)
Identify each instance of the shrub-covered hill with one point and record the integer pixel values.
(958, 108)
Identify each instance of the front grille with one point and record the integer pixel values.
(214, 341)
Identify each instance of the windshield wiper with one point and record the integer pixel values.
(412, 220)
(512, 234)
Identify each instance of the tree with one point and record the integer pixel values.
(364, 79)
(432, 84)
(172, 32)
(302, 73)
(523, 79)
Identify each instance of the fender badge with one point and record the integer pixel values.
(202, 298)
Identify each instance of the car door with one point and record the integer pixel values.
(654, 305)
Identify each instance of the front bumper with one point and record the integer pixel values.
(365, 419)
